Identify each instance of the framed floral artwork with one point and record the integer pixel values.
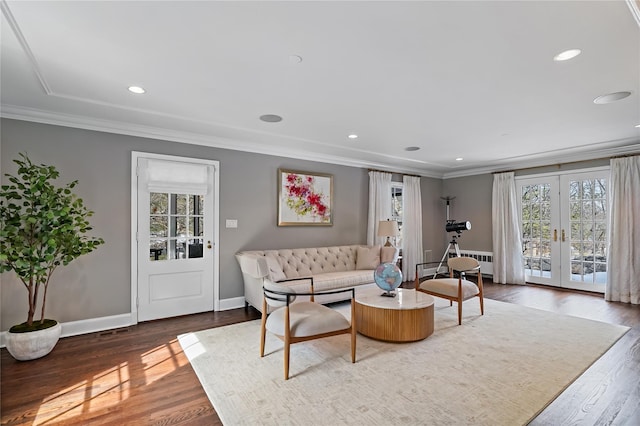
(304, 198)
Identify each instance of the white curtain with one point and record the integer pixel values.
(379, 205)
(411, 227)
(508, 266)
(623, 260)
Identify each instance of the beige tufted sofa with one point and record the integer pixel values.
(332, 268)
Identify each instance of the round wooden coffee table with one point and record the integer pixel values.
(408, 317)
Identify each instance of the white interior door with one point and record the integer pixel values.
(175, 238)
(564, 228)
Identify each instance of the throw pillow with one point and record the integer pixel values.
(275, 271)
(368, 257)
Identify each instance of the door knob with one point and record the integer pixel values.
(209, 244)
(563, 235)
(555, 235)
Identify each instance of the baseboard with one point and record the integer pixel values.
(233, 303)
(92, 325)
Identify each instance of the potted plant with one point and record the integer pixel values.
(42, 226)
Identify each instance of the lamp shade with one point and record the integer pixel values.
(388, 228)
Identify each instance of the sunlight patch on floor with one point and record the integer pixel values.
(104, 391)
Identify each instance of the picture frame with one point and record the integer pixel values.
(304, 198)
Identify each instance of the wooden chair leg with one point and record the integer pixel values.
(353, 332)
(459, 312)
(481, 293)
(287, 343)
(263, 327)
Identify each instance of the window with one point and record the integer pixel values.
(397, 209)
(176, 227)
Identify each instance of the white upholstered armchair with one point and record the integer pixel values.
(302, 321)
(456, 288)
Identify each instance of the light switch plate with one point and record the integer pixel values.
(232, 223)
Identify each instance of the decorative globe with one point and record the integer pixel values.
(388, 277)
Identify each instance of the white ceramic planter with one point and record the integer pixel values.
(34, 344)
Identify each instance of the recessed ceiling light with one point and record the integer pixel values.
(353, 136)
(295, 59)
(137, 90)
(270, 118)
(459, 159)
(566, 55)
(611, 97)
(412, 148)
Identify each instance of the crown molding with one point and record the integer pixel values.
(108, 126)
(626, 146)
(629, 146)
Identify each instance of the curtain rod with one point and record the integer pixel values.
(568, 162)
(395, 173)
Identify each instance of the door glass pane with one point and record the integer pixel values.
(179, 228)
(195, 227)
(174, 220)
(588, 231)
(195, 248)
(159, 203)
(158, 249)
(158, 226)
(536, 226)
(179, 204)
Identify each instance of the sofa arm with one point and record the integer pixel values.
(253, 265)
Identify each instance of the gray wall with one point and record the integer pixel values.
(98, 284)
(433, 217)
(472, 203)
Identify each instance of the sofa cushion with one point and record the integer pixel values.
(275, 270)
(338, 280)
(368, 257)
(449, 287)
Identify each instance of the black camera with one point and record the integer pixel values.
(453, 226)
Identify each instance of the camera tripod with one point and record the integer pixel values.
(452, 244)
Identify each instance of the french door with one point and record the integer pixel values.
(564, 228)
(175, 236)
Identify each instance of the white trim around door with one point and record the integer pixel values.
(135, 210)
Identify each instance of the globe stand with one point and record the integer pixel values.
(389, 294)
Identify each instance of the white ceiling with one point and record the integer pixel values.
(457, 79)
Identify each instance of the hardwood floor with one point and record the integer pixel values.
(139, 375)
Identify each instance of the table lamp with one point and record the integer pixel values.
(388, 228)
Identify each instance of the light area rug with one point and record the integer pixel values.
(501, 368)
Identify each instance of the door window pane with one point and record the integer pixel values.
(536, 226)
(588, 231)
(174, 220)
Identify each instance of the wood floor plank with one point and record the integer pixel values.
(140, 376)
